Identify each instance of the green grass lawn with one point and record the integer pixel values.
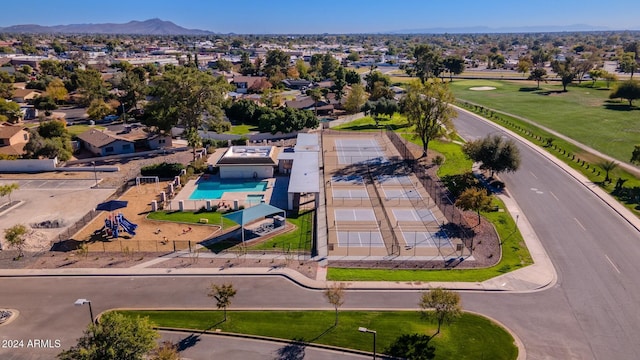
(396, 122)
(190, 217)
(469, 337)
(242, 129)
(76, 130)
(299, 239)
(583, 113)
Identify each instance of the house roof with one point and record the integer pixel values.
(7, 131)
(248, 215)
(250, 80)
(296, 82)
(249, 155)
(22, 93)
(15, 149)
(301, 103)
(98, 138)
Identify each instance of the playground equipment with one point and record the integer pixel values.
(112, 225)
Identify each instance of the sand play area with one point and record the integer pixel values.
(150, 235)
(482, 88)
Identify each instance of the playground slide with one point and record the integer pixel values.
(127, 225)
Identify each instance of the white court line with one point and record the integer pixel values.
(554, 196)
(532, 174)
(582, 226)
(612, 264)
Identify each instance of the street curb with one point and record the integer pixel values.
(270, 339)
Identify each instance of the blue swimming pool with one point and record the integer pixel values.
(213, 189)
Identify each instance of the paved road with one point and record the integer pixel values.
(592, 311)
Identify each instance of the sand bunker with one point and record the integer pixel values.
(482, 88)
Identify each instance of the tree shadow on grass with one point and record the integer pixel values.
(528, 89)
(412, 346)
(617, 106)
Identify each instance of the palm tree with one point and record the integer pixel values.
(608, 166)
(316, 95)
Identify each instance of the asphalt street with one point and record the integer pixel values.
(592, 310)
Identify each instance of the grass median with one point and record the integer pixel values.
(469, 337)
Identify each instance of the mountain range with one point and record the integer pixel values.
(162, 27)
(147, 27)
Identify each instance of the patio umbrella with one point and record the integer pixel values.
(112, 205)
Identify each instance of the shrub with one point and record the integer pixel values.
(162, 170)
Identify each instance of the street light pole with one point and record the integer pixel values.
(365, 330)
(81, 302)
(95, 174)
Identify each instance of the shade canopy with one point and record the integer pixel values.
(112, 205)
(248, 215)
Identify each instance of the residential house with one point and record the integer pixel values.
(297, 84)
(13, 138)
(244, 83)
(25, 95)
(103, 143)
(307, 103)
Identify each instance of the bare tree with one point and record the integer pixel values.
(335, 297)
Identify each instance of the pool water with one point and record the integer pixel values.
(213, 189)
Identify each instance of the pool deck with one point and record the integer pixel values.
(227, 198)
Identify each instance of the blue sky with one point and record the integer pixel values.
(328, 16)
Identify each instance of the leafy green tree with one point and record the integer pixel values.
(352, 77)
(428, 108)
(494, 153)
(427, 63)
(15, 237)
(57, 91)
(440, 305)
(243, 111)
(51, 129)
(628, 90)
(222, 294)
(537, 75)
(98, 109)
(8, 189)
(329, 65)
(91, 86)
(635, 155)
(374, 77)
(302, 68)
(134, 89)
(474, 199)
(628, 63)
(524, 65)
(276, 61)
(356, 99)
(353, 56)
(454, 65)
(114, 337)
(224, 65)
(335, 296)
(188, 97)
(339, 82)
(596, 74)
(9, 111)
(6, 90)
(610, 78)
(565, 70)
